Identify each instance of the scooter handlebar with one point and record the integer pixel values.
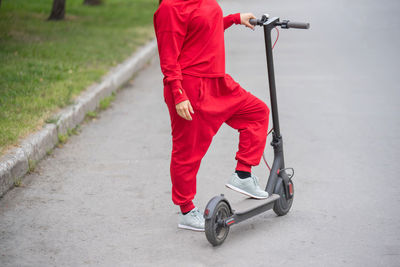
(254, 22)
(285, 24)
(298, 25)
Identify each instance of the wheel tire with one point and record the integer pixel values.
(283, 205)
(215, 232)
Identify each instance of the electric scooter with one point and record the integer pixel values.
(219, 215)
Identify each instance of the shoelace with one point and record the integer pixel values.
(197, 214)
(255, 180)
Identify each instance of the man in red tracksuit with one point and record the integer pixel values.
(200, 97)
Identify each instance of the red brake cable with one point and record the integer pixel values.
(265, 161)
(277, 37)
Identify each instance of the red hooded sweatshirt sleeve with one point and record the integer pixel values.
(231, 19)
(170, 28)
(190, 41)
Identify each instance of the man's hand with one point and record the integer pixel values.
(245, 19)
(184, 109)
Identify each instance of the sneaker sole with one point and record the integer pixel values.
(182, 226)
(234, 188)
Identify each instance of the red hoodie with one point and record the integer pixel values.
(190, 37)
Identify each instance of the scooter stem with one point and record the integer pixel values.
(268, 26)
(277, 142)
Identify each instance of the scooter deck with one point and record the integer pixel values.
(248, 204)
(242, 204)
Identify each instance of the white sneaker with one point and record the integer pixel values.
(193, 220)
(248, 186)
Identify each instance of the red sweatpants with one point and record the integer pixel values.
(215, 101)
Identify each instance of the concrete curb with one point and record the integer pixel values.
(17, 162)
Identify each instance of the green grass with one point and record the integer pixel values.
(105, 103)
(18, 182)
(44, 64)
(53, 119)
(62, 138)
(91, 114)
(31, 165)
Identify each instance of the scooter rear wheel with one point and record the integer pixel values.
(283, 205)
(215, 228)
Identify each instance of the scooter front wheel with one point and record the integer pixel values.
(215, 227)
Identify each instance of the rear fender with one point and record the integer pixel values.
(212, 204)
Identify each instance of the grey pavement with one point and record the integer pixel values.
(104, 198)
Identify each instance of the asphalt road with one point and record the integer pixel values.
(104, 198)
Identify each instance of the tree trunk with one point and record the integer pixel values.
(92, 2)
(58, 11)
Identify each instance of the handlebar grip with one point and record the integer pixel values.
(253, 22)
(298, 25)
